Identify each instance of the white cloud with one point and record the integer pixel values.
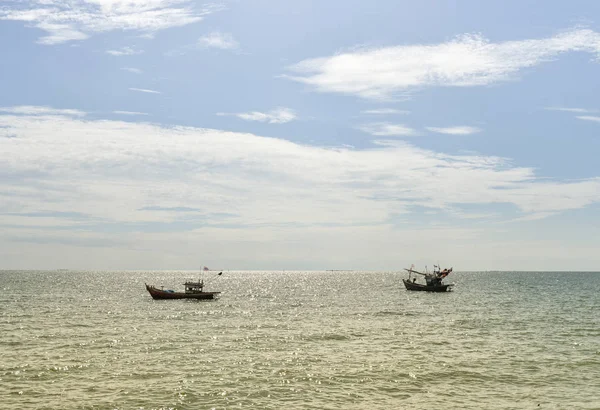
(280, 115)
(388, 130)
(367, 184)
(384, 111)
(59, 33)
(224, 41)
(132, 70)
(70, 20)
(125, 51)
(458, 130)
(576, 110)
(467, 60)
(41, 110)
(589, 118)
(145, 90)
(129, 113)
(257, 195)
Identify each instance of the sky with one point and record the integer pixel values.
(299, 135)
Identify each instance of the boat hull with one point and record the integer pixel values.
(425, 288)
(163, 294)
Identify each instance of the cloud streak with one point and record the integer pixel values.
(125, 51)
(132, 70)
(386, 129)
(280, 115)
(384, 111)
(466, 61)
(41, 110)
(566, 109)
(589, 118)
(457, 130)
(144, 90)
(129, 113)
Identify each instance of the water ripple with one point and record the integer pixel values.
(300, 340)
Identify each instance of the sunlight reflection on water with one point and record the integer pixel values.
(300, 339)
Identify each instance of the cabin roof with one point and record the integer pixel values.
(194, 284)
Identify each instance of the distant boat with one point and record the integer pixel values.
(193, 290)
(427, 288)
(433, 280)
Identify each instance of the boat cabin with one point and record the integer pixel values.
(433, 280)
(194, 287)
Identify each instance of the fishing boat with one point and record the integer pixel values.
(433, 280)
(193, 290)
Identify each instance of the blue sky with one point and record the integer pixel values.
(170, 134)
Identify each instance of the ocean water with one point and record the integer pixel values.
(299, 340)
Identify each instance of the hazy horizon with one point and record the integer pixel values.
(208, 275)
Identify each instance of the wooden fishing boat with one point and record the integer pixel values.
(427, 288)
(193, 290)
(433, 280)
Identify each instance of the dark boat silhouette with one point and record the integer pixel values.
(193, 290)
(433, 280)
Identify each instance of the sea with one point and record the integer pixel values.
(299, 340)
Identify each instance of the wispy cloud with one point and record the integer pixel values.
(132, 70)
(216, 39)
(129, 113)
(457, 130)
(593, 118)
(71, 20)
(386, 129)
(125, 51)
(58, 33)
(280, 115)
(41, 110)
(575, 110)
(467, 60)
(384, 111)
(589, 118)
(145, 90)
(122, 174)
(224, 41)
(311, 183)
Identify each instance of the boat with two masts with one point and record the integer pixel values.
(433, 280)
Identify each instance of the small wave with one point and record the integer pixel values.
(326, 336)
(394, 313)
